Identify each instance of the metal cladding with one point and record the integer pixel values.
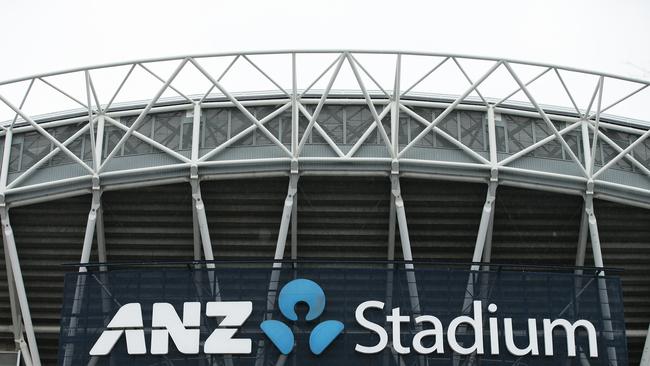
(397, 154)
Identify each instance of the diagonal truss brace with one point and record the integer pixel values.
(371, 106)
(47, 135)
(445, 135)
(548, 122)
(619, 149)
(320, 130)
(449, 109)
(143, 114)
(241, 108)
(148, 140)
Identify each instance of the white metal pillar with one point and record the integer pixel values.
(294, 230)
(287, 215)
(202, 222)
(483, 245)
(482, 253)
(494, 178)
(407, 253)
(483, 229)
(392, 216)
(196, 135)
(17, 325)
(405, 241)
(101, 237)
(91, 225)
(196, 237)
(12, 253)
(598, 262)
(583, 235)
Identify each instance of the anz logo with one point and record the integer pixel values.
(185, 333)
(292, 293)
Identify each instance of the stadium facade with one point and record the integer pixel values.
(350, 173)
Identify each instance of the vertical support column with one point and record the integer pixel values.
(196, 142)
(202, 221)
(15, 311)
(598, 262)
(407, 254)
(287, 214)
(487, 249)
(294, 230)
(581, 250)
(86, 249)
(580, 254)
(487, 216)
(91, 224)
(101, 237)
(494, 178)
(206, 242)
(196, 234)
(482, 253)
(582, 239)
(12, 252)
(196, 132)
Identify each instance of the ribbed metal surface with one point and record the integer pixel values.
(244, 216)
(343, 217)
(535, 227)
(443, 218)
(149, 223)
(338, 217)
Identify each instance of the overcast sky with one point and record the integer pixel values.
(602, 35)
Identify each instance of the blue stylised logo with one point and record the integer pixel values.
(309, 292)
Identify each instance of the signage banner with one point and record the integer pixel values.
(340, 314)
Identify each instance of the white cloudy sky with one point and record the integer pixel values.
(603, 35)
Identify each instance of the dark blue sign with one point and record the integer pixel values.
(358, 314)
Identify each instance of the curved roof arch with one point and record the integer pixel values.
(325, 111)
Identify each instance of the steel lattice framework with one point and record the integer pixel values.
(309, 128)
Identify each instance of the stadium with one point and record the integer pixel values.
(412, 176)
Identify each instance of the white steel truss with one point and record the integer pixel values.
(99, 136)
